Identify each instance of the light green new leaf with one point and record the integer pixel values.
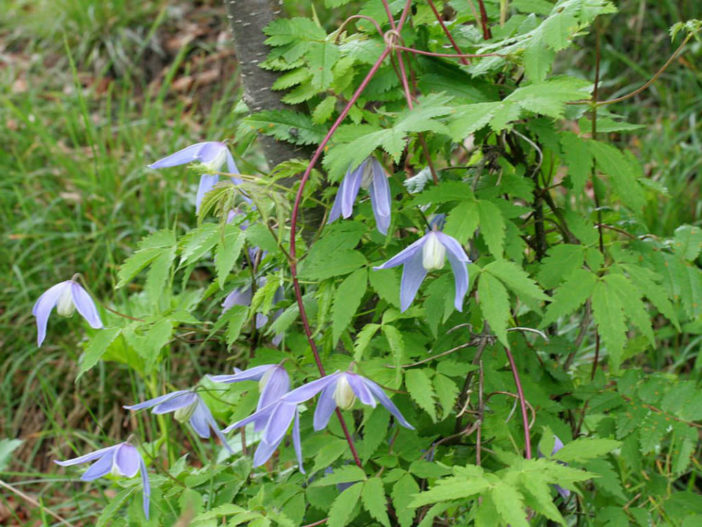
(287, 125)
(688, 241)
(462, 221)
(97, 346)
(363, 339)
(510, 504)
(446, 392)
(150, 248)
(453, 488)
(158, 274)
(550, 97)
(321, 57)
(341, 511)
(516, 278)
(195, 244)
(470, 118)
(373, 497)
(572, 294)
(228, 251)
(494, 304)
(492, 227)
(609, 315)
(557, 30)
(346, 301)
(397, 347)
(538, 59)
(421, 391)
(585, 448)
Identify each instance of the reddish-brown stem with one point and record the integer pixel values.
(293, 231)
(389, 13)
(447, 32)
(448, 55)
(487, 34)
(522, 403)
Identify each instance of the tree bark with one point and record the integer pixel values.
(247, 19)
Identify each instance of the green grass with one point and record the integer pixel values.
(87, 100)
(75, 195)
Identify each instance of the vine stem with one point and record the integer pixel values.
(487, 34)
(440, 20)
(522, 403)
(293, 231)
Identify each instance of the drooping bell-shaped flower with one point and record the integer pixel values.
(371, 175)
(277, 418)
(186, 405)
(67, 297)
(212, 156)
(340, 390)
(427, 254)
(273, 383)
(119, 460)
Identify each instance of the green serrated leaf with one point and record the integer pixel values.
(421, 390)
(688, 242)
(578, 158)
(550, 97)
(462, 221)
(470, 118)
(516, 278)
(492, 227)
(452, 488)
(609, 315)
(324, 110)
(97, 346)
(634, 307)
(149, 249)
(373, 497)
(321, 57)
(341, 511)
(363, 339)
(585, 449)
(622, 171)
(228, 251)
(402, 494)
(574, 292)
(494, 304)
(510, 504)
(115, 504)
(196, 243)
(346, 301)
(287, 125)
(345, 474)
(446, 392)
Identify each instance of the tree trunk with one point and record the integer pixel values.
(247, 19)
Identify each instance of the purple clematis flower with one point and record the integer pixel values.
(212, 155)
(340, 390)
(371, 175)
(119, 460)
(426, 254)
(187, 405)
(66, 297)
(277, 417)
(273, 383)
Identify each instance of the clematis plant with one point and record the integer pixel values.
(427, 254)
(273, 383)
(371, 175)
(187, 405)
(119, 460)
(66, 297)
(212, 155)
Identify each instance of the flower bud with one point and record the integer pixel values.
(184, 413)
(65, 306)
(433, 253)
(343, 394)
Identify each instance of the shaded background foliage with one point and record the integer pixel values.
(93, 91)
